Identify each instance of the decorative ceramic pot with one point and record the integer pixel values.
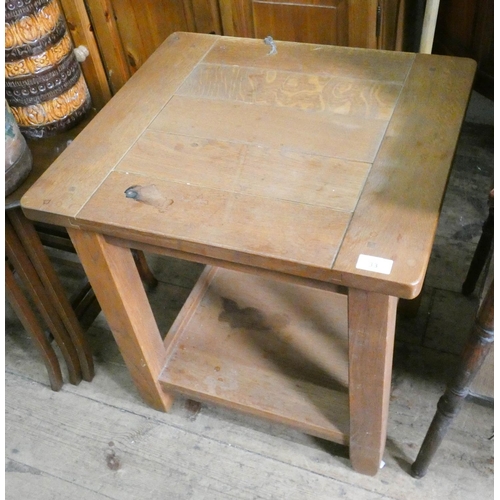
(18, 159)
(44, 85)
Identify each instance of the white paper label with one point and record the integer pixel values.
(374, 264)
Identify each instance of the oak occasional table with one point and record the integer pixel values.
(308, 178)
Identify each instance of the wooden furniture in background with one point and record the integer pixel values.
(482, 387)
(475, 351)
(483, 249)
(122, 34)
(353, 23)
(465, 28)
(319, 171)
(26, 315)
(26, 254)
(82, 33)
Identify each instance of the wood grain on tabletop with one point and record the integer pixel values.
(243, 116)
(308, 91)
(326, 134)
(218, 219)
(294, 188)
(313, 59)
(44, 153)
(301, 178)
(397, 214)
(78, 172)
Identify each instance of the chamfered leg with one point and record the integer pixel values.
(372, 319)
(116, 282)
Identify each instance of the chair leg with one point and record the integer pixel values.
(147, 276)
(55, 292)
(30, 322)
(86, 306)
(475, 351)
(481, 254)
(23, 266)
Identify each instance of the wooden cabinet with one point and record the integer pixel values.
(354, 23)
(122, 34)
(128, 32)
(465, 28)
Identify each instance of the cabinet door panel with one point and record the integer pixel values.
(128, 31)
(465, 29)
(310, 21)
(144, 25)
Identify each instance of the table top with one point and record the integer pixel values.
(316, 161)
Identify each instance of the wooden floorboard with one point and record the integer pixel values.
(28, 482)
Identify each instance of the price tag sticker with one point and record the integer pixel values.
(374, 264)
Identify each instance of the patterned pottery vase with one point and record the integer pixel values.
(18, 159)
(44, 85)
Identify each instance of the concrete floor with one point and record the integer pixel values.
(98, 440)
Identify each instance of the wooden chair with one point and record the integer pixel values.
(25, 252)
(25, 313)
(27, 257)
(475, 351)
(482, 252)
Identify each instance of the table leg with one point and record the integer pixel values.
(116, 282)
(372, 319)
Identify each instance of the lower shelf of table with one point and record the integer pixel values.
(264, 347)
